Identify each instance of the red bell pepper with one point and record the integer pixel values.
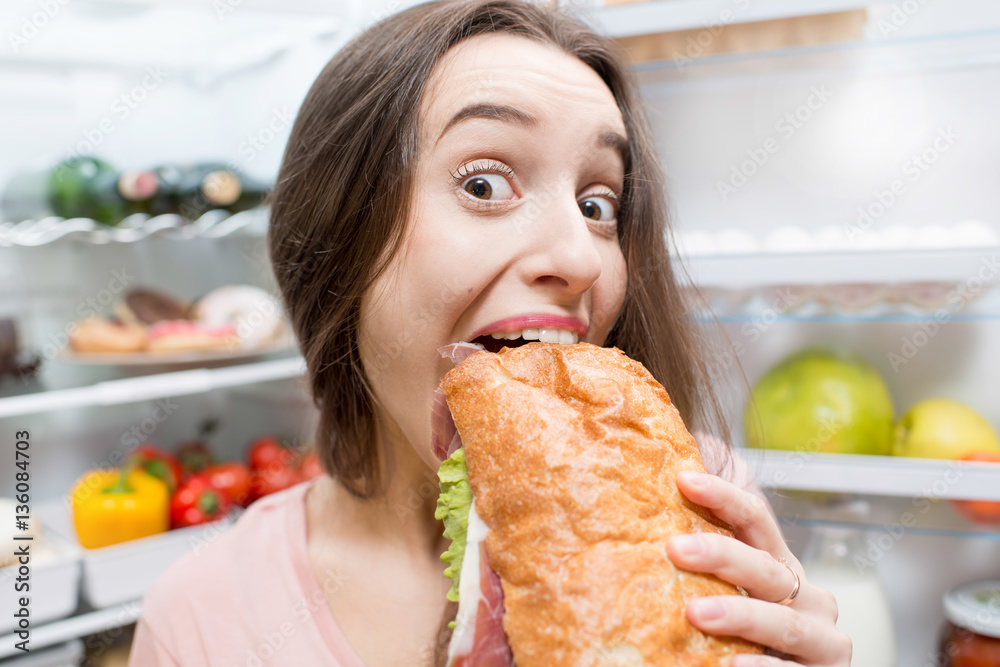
(157, 463)
(232, 479)
(197, 502)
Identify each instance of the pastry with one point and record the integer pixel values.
(144, 306)
(184, 335)
(255, 314)
(99, 334)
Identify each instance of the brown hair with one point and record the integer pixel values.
(339, 208)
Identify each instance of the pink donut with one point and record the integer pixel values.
(179, 335)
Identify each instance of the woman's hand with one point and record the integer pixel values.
(803, 631)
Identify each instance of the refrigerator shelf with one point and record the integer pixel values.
(644, 18)
(760, 313)
(84, 624)
(150, 387)
(957, 266)
(984, 533)
(875, 475)
(853, 318)
(211, 225)
(931, 49)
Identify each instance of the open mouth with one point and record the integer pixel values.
(444, 436)
(495, 342)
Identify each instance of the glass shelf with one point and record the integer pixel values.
(211, 225)
(952, 265)
(895, 476)
(927, 303)
(982, 533)
(79, 625)
(906, 496)
(920, 53)
(643, 18)
(40, 399)
(850, 318)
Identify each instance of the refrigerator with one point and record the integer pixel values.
(832, 171)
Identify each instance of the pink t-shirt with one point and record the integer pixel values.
(250, 598)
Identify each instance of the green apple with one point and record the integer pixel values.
(940, 428)
(821, 401)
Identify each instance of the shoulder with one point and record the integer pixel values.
(225, 570)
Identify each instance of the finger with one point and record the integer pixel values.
(742, 510)
(731, 560)
(746, 660)
(768, 624)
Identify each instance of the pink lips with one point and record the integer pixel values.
(533, 321)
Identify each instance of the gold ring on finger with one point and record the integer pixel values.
(795, 586)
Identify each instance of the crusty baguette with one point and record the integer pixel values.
(572, 453)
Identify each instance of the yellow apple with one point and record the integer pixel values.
(940, 428)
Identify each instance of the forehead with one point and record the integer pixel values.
(537, 78)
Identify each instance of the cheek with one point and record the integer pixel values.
(610, 297)
(379, 325)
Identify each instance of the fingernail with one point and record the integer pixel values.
(695, 479)
(707, 609)
(688, 545)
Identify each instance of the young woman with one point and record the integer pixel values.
(458, 170)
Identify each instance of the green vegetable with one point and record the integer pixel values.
(453, 507)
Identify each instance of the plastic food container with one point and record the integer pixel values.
(971, 637)
(123, 572)
(55, 585)
(70, 654)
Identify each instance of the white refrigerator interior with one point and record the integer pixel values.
(840, 174)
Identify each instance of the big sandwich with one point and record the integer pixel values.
(558, 494)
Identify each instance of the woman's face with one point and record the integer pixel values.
(512, 226)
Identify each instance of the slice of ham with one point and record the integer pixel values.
(444, 436)
(459, 352)
(478, 639)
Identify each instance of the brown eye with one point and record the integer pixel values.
(598, 208)
(478, 188)
(488, 187)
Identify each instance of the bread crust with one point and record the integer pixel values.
(573, 453)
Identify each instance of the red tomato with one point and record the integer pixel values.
(267, 452)
(158, 463)
(309, 467)
(196, 502)
(232, 479)
(979, 511)
(272, 479)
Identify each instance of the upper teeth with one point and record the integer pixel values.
(560, 336)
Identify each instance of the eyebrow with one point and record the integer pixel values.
(514, 116)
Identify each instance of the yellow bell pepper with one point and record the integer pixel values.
(119, 505)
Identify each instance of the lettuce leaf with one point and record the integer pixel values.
(453, 507)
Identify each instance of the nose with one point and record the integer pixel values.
(561, 249)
